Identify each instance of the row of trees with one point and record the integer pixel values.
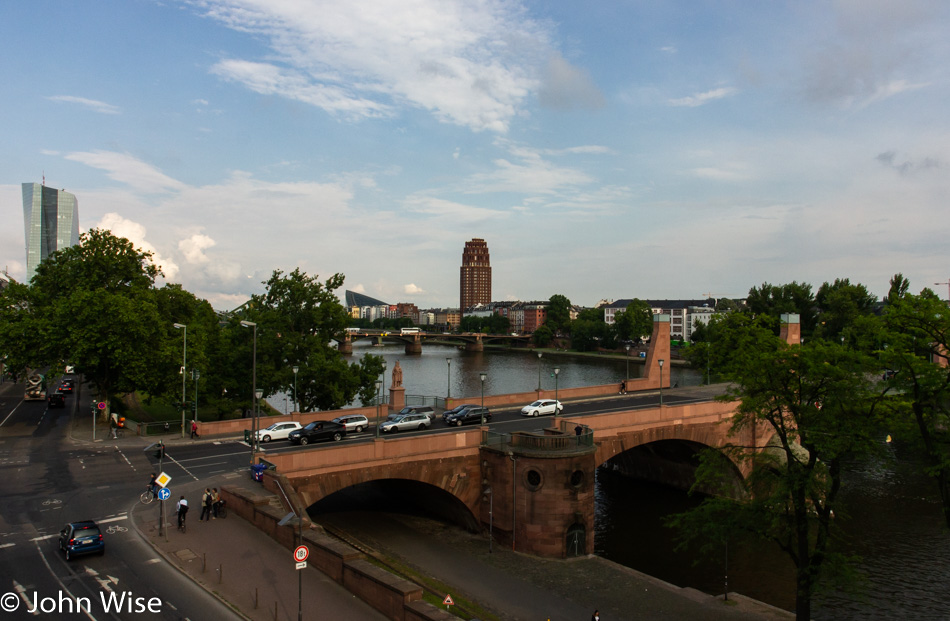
(96, 306)
(589, 330)
(866, 371)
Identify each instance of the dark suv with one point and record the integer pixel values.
(57, 400)
(81, 538)
(318, 430)
(456, 410)
(469, 416)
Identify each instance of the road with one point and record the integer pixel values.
(47, 480)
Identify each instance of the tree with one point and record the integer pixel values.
(558, 314)
(815, 402)
(725, 305)
(917, 338)
(840, 306)
(92, 305)
(297, 318)
(635, 322)
(542, 336)
(775, 300)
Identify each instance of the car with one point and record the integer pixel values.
(278, 431)
(457, 409)
(78, 538)
(418, 409)
(67, 385)
(542, 406)
(318, 430)
(468, 416)
(353, 422)
(57, 400)
(405, 422)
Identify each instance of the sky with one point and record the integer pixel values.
(606, 150)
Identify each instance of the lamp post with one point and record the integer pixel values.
(482, 376)
(628, 366)
(491, 517)
(661, 382)
(254, 392)
(556, 411)
(296, 403)
(184, 362)
(708, 352)
(383, 393)
(539, 373)
(448, 386)
(379, 388)
(196, 374)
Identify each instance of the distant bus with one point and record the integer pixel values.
(410, 331)
(352, 330)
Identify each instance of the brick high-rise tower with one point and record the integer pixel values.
(475, 275)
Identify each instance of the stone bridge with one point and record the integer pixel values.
(472, 341)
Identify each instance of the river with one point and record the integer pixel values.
(894, 519)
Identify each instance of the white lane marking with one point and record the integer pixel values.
(63, 586)
(21, 591)
(177, 463)
(216, 463)
(153, 561)
(115, 519)
(45, 537)
(11, 413)
(7, 545)
(213, 456)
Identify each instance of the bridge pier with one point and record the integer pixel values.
(477, 345)
(414, 347)
(345, 346)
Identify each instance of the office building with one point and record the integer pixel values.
(51, 222)
(475, 275)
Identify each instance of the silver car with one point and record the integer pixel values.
(406, 422)
(353, 422)
(542, 406)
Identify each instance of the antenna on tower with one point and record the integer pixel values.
(44, 177)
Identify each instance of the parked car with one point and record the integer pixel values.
(404, 422)
(418, 409)
(469, 416)
(542, 406)
(353, 422)
(457, 409)
(81, 538)
(57, 400)
(278, 431)
(318, 430)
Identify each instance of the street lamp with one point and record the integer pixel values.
(661, 382)
(296, 403)
(628, 366)
(491, 517)
(254, 439)
(195, 374)
(184, 362)
(379, 388)
(539, 373)
(556, 371)
(482, 376)
(448, 386)
(383, 393)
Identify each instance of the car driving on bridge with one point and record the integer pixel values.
(318, 430)
(542, 406)
(405, 422)
(469, 416)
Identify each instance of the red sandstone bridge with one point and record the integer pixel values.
(534, 489)
(414, 338)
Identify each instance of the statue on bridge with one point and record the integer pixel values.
(397, 376)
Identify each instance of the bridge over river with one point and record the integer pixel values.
(413, 338)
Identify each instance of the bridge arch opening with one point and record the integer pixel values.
(404, 496)
(671, 463)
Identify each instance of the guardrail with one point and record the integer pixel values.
(159, 428)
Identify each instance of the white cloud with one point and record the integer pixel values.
(92, 104)
(565, 87)
(412, 289)
(467, 63)
(193, 248)
(128, 169)
(700, 99)
(135, 233)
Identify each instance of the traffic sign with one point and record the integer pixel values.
(448, 600)
(302, 565)
(164, 493)
(301, 553)
(163, 479)
(101, 405)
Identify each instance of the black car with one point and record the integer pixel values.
(469, 416)
(68, 385)
(57, 400)
(457, 409)
(81, 538)
(318, 430)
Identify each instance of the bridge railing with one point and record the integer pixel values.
(544, 442)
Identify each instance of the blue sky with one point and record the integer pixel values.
(603, 150)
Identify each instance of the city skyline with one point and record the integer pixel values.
(652, 150)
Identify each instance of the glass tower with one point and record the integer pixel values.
(51, 222)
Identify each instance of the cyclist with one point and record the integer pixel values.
(153, 485)
(182, 511)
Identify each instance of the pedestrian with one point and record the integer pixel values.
(182, 510)
(194, 429)
(578, 430)
(113, 426)
(623, 388)
(153, 485)
(215, 503)
(595, 616)
(206, 506)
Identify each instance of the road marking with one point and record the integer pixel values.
(7, 545)
(63, 586)
(21, 591)
(153, 561)
(45, 537)
(114, 519)
(213, 456)
(177, 463)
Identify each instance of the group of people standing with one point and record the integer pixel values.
(210, 506)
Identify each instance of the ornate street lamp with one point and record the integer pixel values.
(661, 382)
(482, 376)
(379, 388)
(556, 371)
(184, 363)
(539, 373)
(448, 387)
(296, 403)
(254, 391)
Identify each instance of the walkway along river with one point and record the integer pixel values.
(895, 519)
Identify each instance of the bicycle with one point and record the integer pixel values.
(182, 521)
(222, 509)
(147, 496)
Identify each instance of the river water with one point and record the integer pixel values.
(893, 515)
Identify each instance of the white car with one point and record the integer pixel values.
(542, 406)
(353, 422)
(278, 431)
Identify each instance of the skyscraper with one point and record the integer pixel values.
(51, 222)
(475, 280)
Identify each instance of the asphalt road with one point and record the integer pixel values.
(46, 481)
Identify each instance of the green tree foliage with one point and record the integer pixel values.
(92, 305)
(818, 408)
(841, 306)
(917, 338)
(589, 331)
(725, 305)
(558, 314)
(297, 318)
(543, 336)
(776, 300)
(634, 322)
(493, 324)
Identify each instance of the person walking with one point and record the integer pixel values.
(182, 510)
(595, 616)
(215, 503)
(194, 429)
(153, 485)
(205, 506)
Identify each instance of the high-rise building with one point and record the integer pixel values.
(475, 278)
(51, 222)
